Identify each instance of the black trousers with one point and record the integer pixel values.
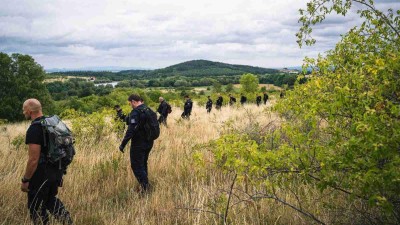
(162, 120)
(185, 115)
(43, 189)
(139, 156)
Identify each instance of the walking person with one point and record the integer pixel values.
(218, 103)
(42, 178)
(141, 145)
(258, 100)
(243, 99)
(265, 98)
(209, 104)
(232, 100)
(163, 110)
(187, 108)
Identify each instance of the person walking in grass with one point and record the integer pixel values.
(42, 178)
(209, 104)
(187, 108)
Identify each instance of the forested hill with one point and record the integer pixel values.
(201, 68)
(194, 68)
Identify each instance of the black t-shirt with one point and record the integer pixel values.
(34, 135)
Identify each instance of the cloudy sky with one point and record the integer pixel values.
(159, 33)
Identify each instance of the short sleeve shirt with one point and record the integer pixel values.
(34, 135)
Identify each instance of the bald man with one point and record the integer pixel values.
(41, 179)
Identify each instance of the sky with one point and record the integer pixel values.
(158, 33)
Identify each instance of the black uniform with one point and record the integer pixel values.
(140, 147)
(43, 186)
(265, 98)
(209, 105)
(120, 116)
(163, 110)
(232, 100)
(243, 99)
(187, 109)
(258, 100)
(218, 103)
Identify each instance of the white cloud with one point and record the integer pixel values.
(158, 33)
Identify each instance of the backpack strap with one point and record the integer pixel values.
(40, 122)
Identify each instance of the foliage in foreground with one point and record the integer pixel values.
(339, 134)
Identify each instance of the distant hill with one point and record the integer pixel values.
(201, 68)
(194, 68)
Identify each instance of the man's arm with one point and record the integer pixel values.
(130, 132)
(31, 165)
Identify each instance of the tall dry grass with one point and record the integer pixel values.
(98, 186)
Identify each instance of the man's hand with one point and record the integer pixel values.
(24, 187)
(121, 148)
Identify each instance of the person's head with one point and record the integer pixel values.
(208, 97)
(135, 100)
(117, 107)
(32, 109)
(160, 99)
(186, 96)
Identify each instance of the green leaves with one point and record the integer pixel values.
(21, 78)
(249, 83)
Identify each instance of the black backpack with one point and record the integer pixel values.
(59, 143)
(150, 124)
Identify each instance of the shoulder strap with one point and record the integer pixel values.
(40, 122)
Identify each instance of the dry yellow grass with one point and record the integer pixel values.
(99, 183)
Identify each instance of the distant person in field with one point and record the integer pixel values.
(120, 115)
(164, 109)
(232, 100)
(258, 100)
(187, 108)
(281, 95)
(209, 104)
(243, 99)
(265, 98)
(41, 179)
(218, 103)
(141, 144)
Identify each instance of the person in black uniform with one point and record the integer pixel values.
(232, 100)
(120, 115)
(265, 98)
(163, 110)
(258, 100)
(209, 104)
(218, 103)
(140, 146)
(41, 179)
(243, 99)
(187, 108)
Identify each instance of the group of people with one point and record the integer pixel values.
(232, 101)
(42, 178)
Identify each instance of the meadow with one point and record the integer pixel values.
(98, 187)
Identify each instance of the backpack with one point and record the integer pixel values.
(169, 109)
(60, 143)
(150, 124)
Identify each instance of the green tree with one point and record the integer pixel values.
(339, 137)
(249, 83)
(217, 87)
(229, 87)
(21, 78)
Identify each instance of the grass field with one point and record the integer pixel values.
(98, 188)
